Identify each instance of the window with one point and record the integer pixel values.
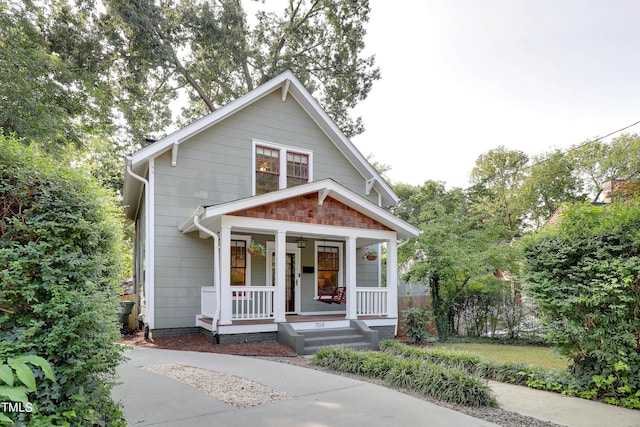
(238, 262)
(267, 170)
(328, 269)
(297, 169)
(278, 167)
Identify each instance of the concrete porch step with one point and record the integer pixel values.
(328, 332)
(308, 341)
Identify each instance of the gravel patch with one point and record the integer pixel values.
(230, 389)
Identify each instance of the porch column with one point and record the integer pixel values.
(279, 307)
(350, 277)
(392, 278)
(225, 275)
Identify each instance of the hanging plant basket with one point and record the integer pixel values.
(369, 254)
(256, 249)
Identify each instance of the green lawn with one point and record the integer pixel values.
(536, 356)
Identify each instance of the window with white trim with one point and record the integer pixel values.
(240, 261)
(278, 166)
(328, 267)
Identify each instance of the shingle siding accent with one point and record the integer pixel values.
(305, 209)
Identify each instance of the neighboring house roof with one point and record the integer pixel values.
(289, 85)
(325, 188)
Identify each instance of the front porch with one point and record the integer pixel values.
(315, 239)
(252, 312)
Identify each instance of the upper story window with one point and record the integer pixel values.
(278, 166)
(297, 169)
(267, 170)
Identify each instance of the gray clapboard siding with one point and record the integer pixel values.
(213, 167)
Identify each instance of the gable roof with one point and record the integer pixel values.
(325, 188)
(289, 85)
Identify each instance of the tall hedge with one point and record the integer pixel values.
(584, 275)
(61, 262)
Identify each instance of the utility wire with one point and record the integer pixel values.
(581, 145)
(603, 137)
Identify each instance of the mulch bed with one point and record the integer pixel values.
(203, 344)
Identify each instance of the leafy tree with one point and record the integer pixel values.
(454, 249)
(62, 257)
(583, 274)
(552, 179)
(217, 53)
(598, 162)
(38, 101)
(498, 177)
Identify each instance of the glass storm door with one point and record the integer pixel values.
(290, 277)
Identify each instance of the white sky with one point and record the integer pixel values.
(461, 77)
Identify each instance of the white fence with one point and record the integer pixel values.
(252, 302)
(371, 301)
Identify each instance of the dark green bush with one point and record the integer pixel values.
(584, 275)
(449, 384)
(61, 252)
(417, 321)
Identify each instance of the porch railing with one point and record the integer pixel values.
(208, 301)
(252, 302)
(371, 301)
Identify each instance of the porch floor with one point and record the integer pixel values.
(296, 318)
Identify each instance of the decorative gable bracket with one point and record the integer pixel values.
(174, 154)
(369, 185)
(285, 90)
(322, 194)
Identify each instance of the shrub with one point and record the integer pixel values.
(449, 384)
(584, 276)
(417, 321)
(62, 256)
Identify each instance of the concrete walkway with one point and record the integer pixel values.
(563, 410)
(320, 399)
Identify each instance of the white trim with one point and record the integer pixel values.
(340, 246)
(369, 186)
(247, 329)
(150, 270)
(285, 90)
(322, 195)
(174, 154)
(255, 225)
(225, 276)
(284, 150)
(392, 278)
(279, 307)
(350, 255)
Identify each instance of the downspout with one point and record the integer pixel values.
(147, 242)
(216, 263)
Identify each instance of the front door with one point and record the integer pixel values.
(291, 276)
(291, 283)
